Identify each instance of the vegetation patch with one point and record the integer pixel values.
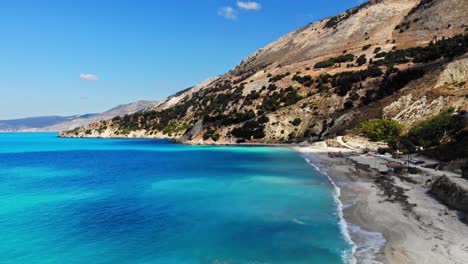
(366, 47)
(344, 81)
(431, 133)
(304, 80)
(332, 61)
(278, 77)
(380, 129)
(211, 133)
(361, 60)
(251, 129)
(276, 100)
(392, 83)
(445, 48)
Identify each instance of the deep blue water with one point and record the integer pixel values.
(148, 201)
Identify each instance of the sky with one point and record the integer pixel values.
(61, 57)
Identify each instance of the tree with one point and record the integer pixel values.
(380, 129)
(361, 60)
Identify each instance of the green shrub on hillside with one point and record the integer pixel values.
(431, 132)
(344, 81)
(361, 60)
(278, 77)
(445, 48)
(380, 129)
(331, 61)
(366, 47)
(283, 98)
(304, 80)
(251, 129)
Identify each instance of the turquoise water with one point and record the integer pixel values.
(148, 201)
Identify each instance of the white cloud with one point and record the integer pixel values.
(249, 5)
(88, 77)
(228, 13)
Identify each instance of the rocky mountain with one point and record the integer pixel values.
(58, 123)
(36, 122)
(398, 59)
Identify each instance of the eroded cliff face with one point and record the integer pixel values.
(385, 58)
(445, 86)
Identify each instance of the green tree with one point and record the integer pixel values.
(380, 129)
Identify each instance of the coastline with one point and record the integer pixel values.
(348, 256)
(405, 225)
(388, 221)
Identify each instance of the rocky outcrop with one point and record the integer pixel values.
(452, 191)
(456, 71)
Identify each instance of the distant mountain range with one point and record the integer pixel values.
(61, 123)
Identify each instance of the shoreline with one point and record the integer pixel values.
(404, 225)
(343, 203)
(348, 257)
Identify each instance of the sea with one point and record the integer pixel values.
(99, 201)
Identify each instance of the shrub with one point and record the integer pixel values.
(297, 121)
(380, 129)
(278, 77)
(344, 81)
(448, 48)
(304, 80)
(331, 61)
(251, 129)
(263, 119)
(431, 132)
(324, 64)
(361, 60)
(215, 137)
(390, 85)
(348, 105)
(381, 54)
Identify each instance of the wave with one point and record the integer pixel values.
(370, 243)
(348, 255)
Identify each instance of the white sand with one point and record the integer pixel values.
(429, 233)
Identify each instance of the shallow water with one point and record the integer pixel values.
(150, 201)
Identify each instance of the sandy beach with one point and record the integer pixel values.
(392, 219)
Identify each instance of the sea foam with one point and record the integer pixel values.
(348, 255)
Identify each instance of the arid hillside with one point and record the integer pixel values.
(398, 59)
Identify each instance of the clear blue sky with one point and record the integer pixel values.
(137, 49)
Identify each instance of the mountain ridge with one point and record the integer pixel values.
(380, 59)
(60, 123)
